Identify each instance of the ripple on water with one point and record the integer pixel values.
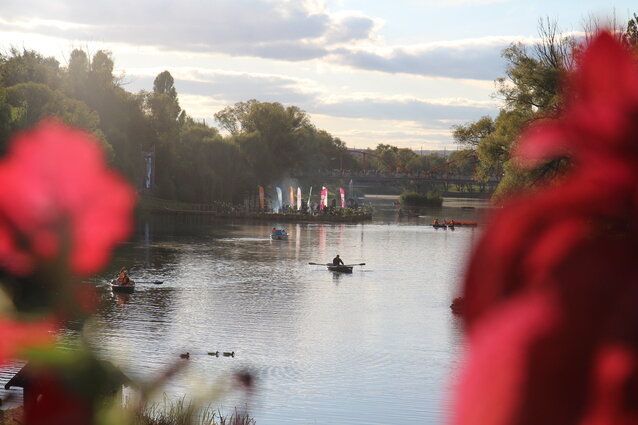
(371, 347)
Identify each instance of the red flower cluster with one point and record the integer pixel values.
(551, 294)
(59, 199)
(15, 336)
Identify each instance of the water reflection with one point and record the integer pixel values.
(374, 346)
(121, 299)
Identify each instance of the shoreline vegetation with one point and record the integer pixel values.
(156, 206)
(178, 412)
(413, 199)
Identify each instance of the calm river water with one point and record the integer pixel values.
(374, 347)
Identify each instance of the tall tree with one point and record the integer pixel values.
(270, 133)
(78, 74)
(28, 66)
(531, 89)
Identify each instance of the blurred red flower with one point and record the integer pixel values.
(551, 294)
(59, 199)
(17, 336)
(57, 404)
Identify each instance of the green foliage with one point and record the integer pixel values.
(413, 199)
(463, 162)
(471, 134)
(193, 162)
(494, 149)
(631, 33)
(530, 90)
(28, 66)
(274, 139)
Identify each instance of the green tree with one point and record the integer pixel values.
(31, 102)
(530, 90)
(164, 111)
(385, 157)
(470, 135)
(28, 66)
(404, 157)
(163, 105)
(6, 119)
(269, 135)
(78, 74)
(231, 118)
(631, 32)
(463, 162)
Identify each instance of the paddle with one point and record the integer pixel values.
(155, 282)
(330, 264)
(350, 265)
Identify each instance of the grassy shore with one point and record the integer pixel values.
(173, 413)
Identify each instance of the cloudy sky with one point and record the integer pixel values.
(400, 72)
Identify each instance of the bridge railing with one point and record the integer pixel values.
(421, 175)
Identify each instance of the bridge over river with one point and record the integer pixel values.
(422, 182)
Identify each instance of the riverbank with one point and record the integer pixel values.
(354, 217)
(155, 206)
(172, 414)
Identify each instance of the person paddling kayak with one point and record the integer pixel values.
(337, 261)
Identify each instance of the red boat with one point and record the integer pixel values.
(455, 223)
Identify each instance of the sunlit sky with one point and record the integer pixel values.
(399, 72)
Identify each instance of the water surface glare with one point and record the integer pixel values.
(374, 347)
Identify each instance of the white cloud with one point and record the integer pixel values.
(273, 29)
(478, 58)
(355, 117)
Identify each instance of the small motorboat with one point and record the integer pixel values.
(278, 234)
(128, 288)
(340, 269)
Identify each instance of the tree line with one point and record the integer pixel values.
(193, 161)
(531, 90)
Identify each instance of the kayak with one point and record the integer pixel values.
(127, 289)
(340, 269)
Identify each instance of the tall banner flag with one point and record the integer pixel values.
(322, 199)
(298, 198)
(309, 195)
(261, 197)
(325, 197)
(351, 189)
(292, 197)
(149, 159)
(343, 197)
(280, 199)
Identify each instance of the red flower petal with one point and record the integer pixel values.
(614, 367)
(490, 388)
(577, 240)
(17, 336)
(541, 142)
(57, 192)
